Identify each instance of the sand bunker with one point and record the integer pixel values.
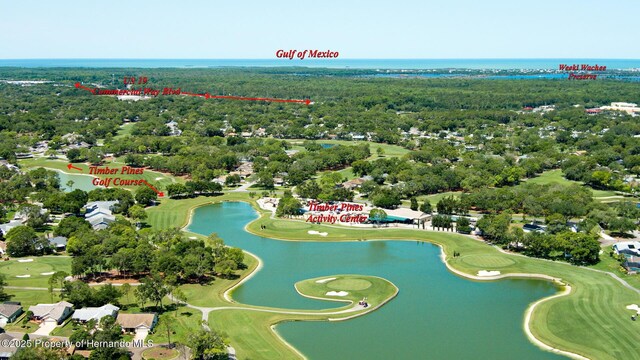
(25, 260)
(322, 281)
(193, 237)
(48, 273)
(634, 307)
(313, 232)
(159, 178)
(337, 293)
(23, 276)
(488, 273)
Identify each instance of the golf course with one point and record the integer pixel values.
(591, 320)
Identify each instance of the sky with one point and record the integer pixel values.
(373, 29)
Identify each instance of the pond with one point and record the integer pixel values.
(436, 314)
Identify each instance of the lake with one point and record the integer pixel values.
(82, 182)
(436, 314)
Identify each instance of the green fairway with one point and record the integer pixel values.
(31, 297)
(487, 261)
(556, 177)
(388, 150)
(213, 294)
(125, 129)
(39, 270)
(154, 178)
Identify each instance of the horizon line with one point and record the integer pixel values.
(328, 60)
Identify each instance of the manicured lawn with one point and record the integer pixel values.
(608, 263)
(159, 180)
(125, 129)
(160, 353)
(212, 294)
(182, 322)
(31, 297)
(348, 173)
(375, 289)
(433, 199)
(36, 268)
(389, 150)
(18, 326)
(67, 328)
(251, 335)
(555, 177)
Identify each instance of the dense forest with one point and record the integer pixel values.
(479, 137)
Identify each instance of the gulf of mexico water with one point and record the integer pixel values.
(503, 64)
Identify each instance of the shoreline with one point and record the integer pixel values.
(528, 312)
(227, 293)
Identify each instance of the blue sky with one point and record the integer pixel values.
(356, 29)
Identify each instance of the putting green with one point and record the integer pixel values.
(487, 261)
(36, 268)
(349, 284)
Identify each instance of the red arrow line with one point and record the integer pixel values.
(160, 193)
(73, 167)
(229, 97)
(80, 86)
(191, 94)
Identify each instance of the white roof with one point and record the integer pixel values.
(4, 228)
(103, 205)
(52, 311)
(406, 213)
(632, 246)
(95, 313)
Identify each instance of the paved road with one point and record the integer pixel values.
(244, 187)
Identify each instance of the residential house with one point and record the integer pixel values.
(534, 228)
(632, 263)
(173, 128)
(9, 312)
(134, 322)
(627, 247)
(57, 312)
(100, 221)
(244, 170)
(95, 313)
(8, 165)
(353, 183)
(7, 346)
(106, 206)
(4, 228)
(59, 243)
(99, 214)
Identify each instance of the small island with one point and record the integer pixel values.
(365, 293)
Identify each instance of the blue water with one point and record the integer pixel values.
(552, 64)
(436, 314)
